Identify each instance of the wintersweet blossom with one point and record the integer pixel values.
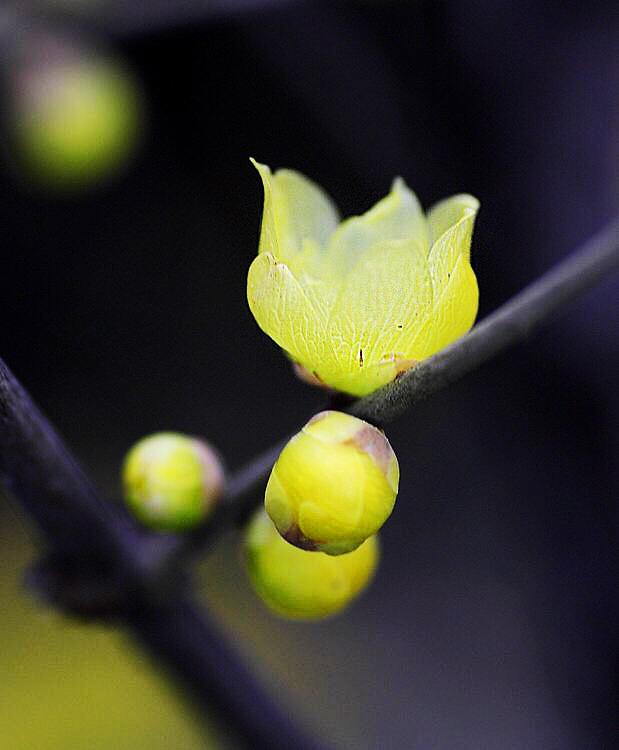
(355, 303)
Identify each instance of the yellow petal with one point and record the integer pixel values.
(358, 303)
(396, 217)
(382, 302)
(453, 313)
(298, 215)
(454, 285)
(451, 222)
(294, 315)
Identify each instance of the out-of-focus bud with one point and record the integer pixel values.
(74, 116)
(171, 481)
(304, 585)
(333, 485)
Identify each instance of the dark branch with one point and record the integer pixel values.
(39, 471)
(100, 566)
(179, 636)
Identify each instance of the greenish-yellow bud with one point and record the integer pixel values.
(75, 120)
(334, 484)
(304, 585)
(171, 481)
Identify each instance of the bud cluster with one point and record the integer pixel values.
(314, 547)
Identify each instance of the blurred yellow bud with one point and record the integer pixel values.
(75, 118)
(171, 481)
(304, 585)
(334, 484)
(358, 302)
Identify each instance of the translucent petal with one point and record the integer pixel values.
(294, 315)
(396, 217)
(298, 216)
(358, 303)
(450, 213)
(453, 313)
(385, 297)
(451, 223)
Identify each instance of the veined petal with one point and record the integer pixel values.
(453, 312)
(398, 216)
(388, 294)
(294, 315)
(451, 224)
(298, 216)
(455, 215)
(358, 303)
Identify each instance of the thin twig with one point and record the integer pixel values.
(597, 259)
(239, 501)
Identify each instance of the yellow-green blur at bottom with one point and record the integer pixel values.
(304, 585)
(334, 484)
(75, 122)
(171, 481)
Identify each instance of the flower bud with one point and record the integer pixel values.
(75, 117)
(172, 481)
(333, 485)
(304, 585)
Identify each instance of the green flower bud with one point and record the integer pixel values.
(75, 118)
(334, 484)
(304, 585)
(171, 481)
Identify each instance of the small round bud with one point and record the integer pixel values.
(334, 484)
(304, 585)
(171, 481)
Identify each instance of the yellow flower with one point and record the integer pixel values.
(172, 481)
(334, 484)
(358, 302)
(304, 585)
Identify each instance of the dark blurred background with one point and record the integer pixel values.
(492, 621)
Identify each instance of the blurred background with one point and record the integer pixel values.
(129, 214)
